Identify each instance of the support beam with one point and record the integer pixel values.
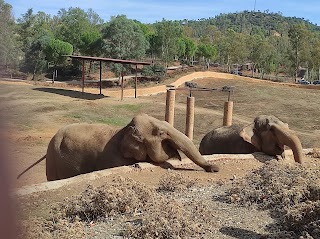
(190, 117)
(170, 101)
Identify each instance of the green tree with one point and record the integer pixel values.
(191, 47)
(91, 43)
(35, 61)
(298, 35)
(124, 39)
(75, 26)
(33, 32)
(315, 56)
(207, 51)
(54, 50)
(166, 38)
(9, 49)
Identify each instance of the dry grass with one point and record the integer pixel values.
(290, 192)
(122, 196)
(165, 219)
(315, 153)
(147, 213)
(40, 228)
(174, 182)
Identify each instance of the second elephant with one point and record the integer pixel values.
(266, 134)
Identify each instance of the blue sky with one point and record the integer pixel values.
(152, 11)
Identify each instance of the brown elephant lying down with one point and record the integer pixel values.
(81, 148)
(266, 134)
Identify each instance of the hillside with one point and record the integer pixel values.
(250, 22)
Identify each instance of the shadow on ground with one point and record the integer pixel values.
(239, 233)
(72, 93)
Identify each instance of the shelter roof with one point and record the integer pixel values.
(93, 58)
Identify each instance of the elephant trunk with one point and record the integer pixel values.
(183, 143)
(289, 138)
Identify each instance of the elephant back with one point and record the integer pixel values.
(225, 140)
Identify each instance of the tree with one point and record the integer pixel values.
(207, 51)
(9, 49)
(91, 43)
(34, 32)
(35, 61)
(166, 38)
(233, 48)
(298, 35)
(54, 50)
(75, 26)
(124, 39)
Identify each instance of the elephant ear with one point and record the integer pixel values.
(248, 134)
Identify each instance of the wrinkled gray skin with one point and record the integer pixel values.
(81, 148)
(266, 134)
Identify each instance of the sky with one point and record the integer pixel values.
(150, 11)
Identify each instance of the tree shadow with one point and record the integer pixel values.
(240, 233)
(72, 93)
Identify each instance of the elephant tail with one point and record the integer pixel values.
(31, 166)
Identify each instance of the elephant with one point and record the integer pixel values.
(266, 134)
(82, 148)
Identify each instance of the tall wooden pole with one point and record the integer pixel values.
(82, 76)
(122, 85)
(170, 100)
(100, 76)
(136, 82)
(190, 117)
(227, 116)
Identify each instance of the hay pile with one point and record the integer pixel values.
(290, 192)
(174, 182)
(143, 212)
(49, 229)
(122, 196)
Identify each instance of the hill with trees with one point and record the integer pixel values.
(36, 42)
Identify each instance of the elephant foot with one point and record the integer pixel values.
(211, 168)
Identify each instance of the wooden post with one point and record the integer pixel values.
(100, 76)
(135, 83)
(170, 100)
(82, 76)
(227, 115)
(190, 117)
(122, 85)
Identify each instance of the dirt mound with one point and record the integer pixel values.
(290, 192)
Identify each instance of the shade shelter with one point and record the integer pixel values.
(101, 59)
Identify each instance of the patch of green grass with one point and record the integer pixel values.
(109, 120)
(116, 121)
(128, 107)
(76, 116)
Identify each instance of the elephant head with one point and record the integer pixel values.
(147, 138)
(269, 135)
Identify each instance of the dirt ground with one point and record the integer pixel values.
(35, 112)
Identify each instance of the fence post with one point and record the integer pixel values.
(227, 114)
(190, 117)
(170, 101)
